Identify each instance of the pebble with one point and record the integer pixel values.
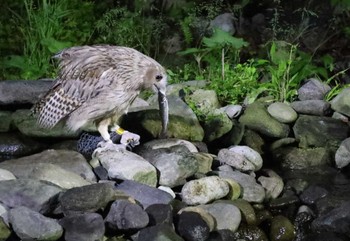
(204, 190)
(250, 154)
(313, 89)
(281, 229)
(160, 214)
(192, 227)
(248, 212)
(232, 111)
(273, 184)
(246, 232)
(235, 160)
(282, 112)
(206, 216)
(313, 193)
(160, 232)
(342, 154)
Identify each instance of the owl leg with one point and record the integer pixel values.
(103, 129)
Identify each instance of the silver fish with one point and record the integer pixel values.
(164, 113)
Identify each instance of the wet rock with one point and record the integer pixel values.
(192, 227)
(342, 154)
(252, 192)
(83, 227)
(14, 92)
(297, 158)
(160, 232)
(227, 216)
(235, 189)
(14, 145)
(222, 235)
(302, 222)
(31, 225)
(69, 160)
(341, 103)
(144, 194)
(6, 119)
(245, 232)
(273, 184)
(34, 194)
(5, 231)
(282, 112)
(232, 111)
(257, 118)
(313, 89)
(204, 190)
(281, 229)
(224, 22)
(121, 216)
(312, 194)
(27, 125)
(216, 125)
(160, 214)
(87, 198)
(312, 107)
(248, 213)
(175, 164)
(283, 202)
(6, 175)
(126, 165)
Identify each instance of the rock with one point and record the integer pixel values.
(341, 103)
(215, 125)
(232, 111)
(313, 89)
(312, 107)
(204, 190)
(342, 154)
(69, 160)
(206, 216)
(15, 92)
(160, 232)
(281, 229)
(297, 158)
(5, 231)
(224, 22)
(144, 194)
(6, 175)
(205, 161)
(284, 202)
(6, 119)
(192, 85)
(273, 184)
(222, 235)
(27, 125)
(48, 172)
(227, 216)
(160, 214)
(257, 118)
(192, 227)
(166, 143)
(234, 136)
(316, 131)
(87, 198)
(183, 123)
(246, 232)
(250, 154)
(126, 165)
(251, 191)
(122, 216)
(236, 160)
(205, 101)
(235, 189)
(31, 225)
(34, 194)
(247, 211)
(14, 145)
(4, 215)
(282, 142)
(312, 194)
(174, 164)
(282, 112)
(83, 227)
(254, 141)
(341, 117)
(336, 220)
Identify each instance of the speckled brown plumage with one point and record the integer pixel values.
(97, 84)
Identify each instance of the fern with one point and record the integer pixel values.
(186, 29)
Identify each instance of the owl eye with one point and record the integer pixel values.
(159, 77)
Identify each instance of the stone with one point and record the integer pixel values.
(313, 89)
(342, 154)
(14, 145)
(236, 160)
(273, 184)
(339, 116)
(222, 235)
(160, 214)
(227, 216)
(205, 101)
(312, 107)
(296, 158)
(204, 190)
(257, 118)
(69, 160)
(281, 229)
(316, 131)
(206, 216)
(144, 194)
(126, 165)
(4, 214)
(122, 216)
(224, 22)
(235, 189)
(34, 194)
(6, 119)
(5, 231)
(192, 227)
(247, 211)
(341, 103)
(251, 191)
(250, 154)
(254, 141)
(83, 227)
(247, 232)
(313, 193)
(27, 125)
(31, 225)
(215, 125)
(205, 161)
(160, 232)
(174, 164)
(282, 112)
(166, 143)
(48, 172)
(282, 142)
(232, 111)
(87, 198)
(16, 92)
(6, 175)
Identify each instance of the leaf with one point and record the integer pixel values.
(54, 45)
(221, 38)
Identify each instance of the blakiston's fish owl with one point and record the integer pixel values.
(96, 85)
